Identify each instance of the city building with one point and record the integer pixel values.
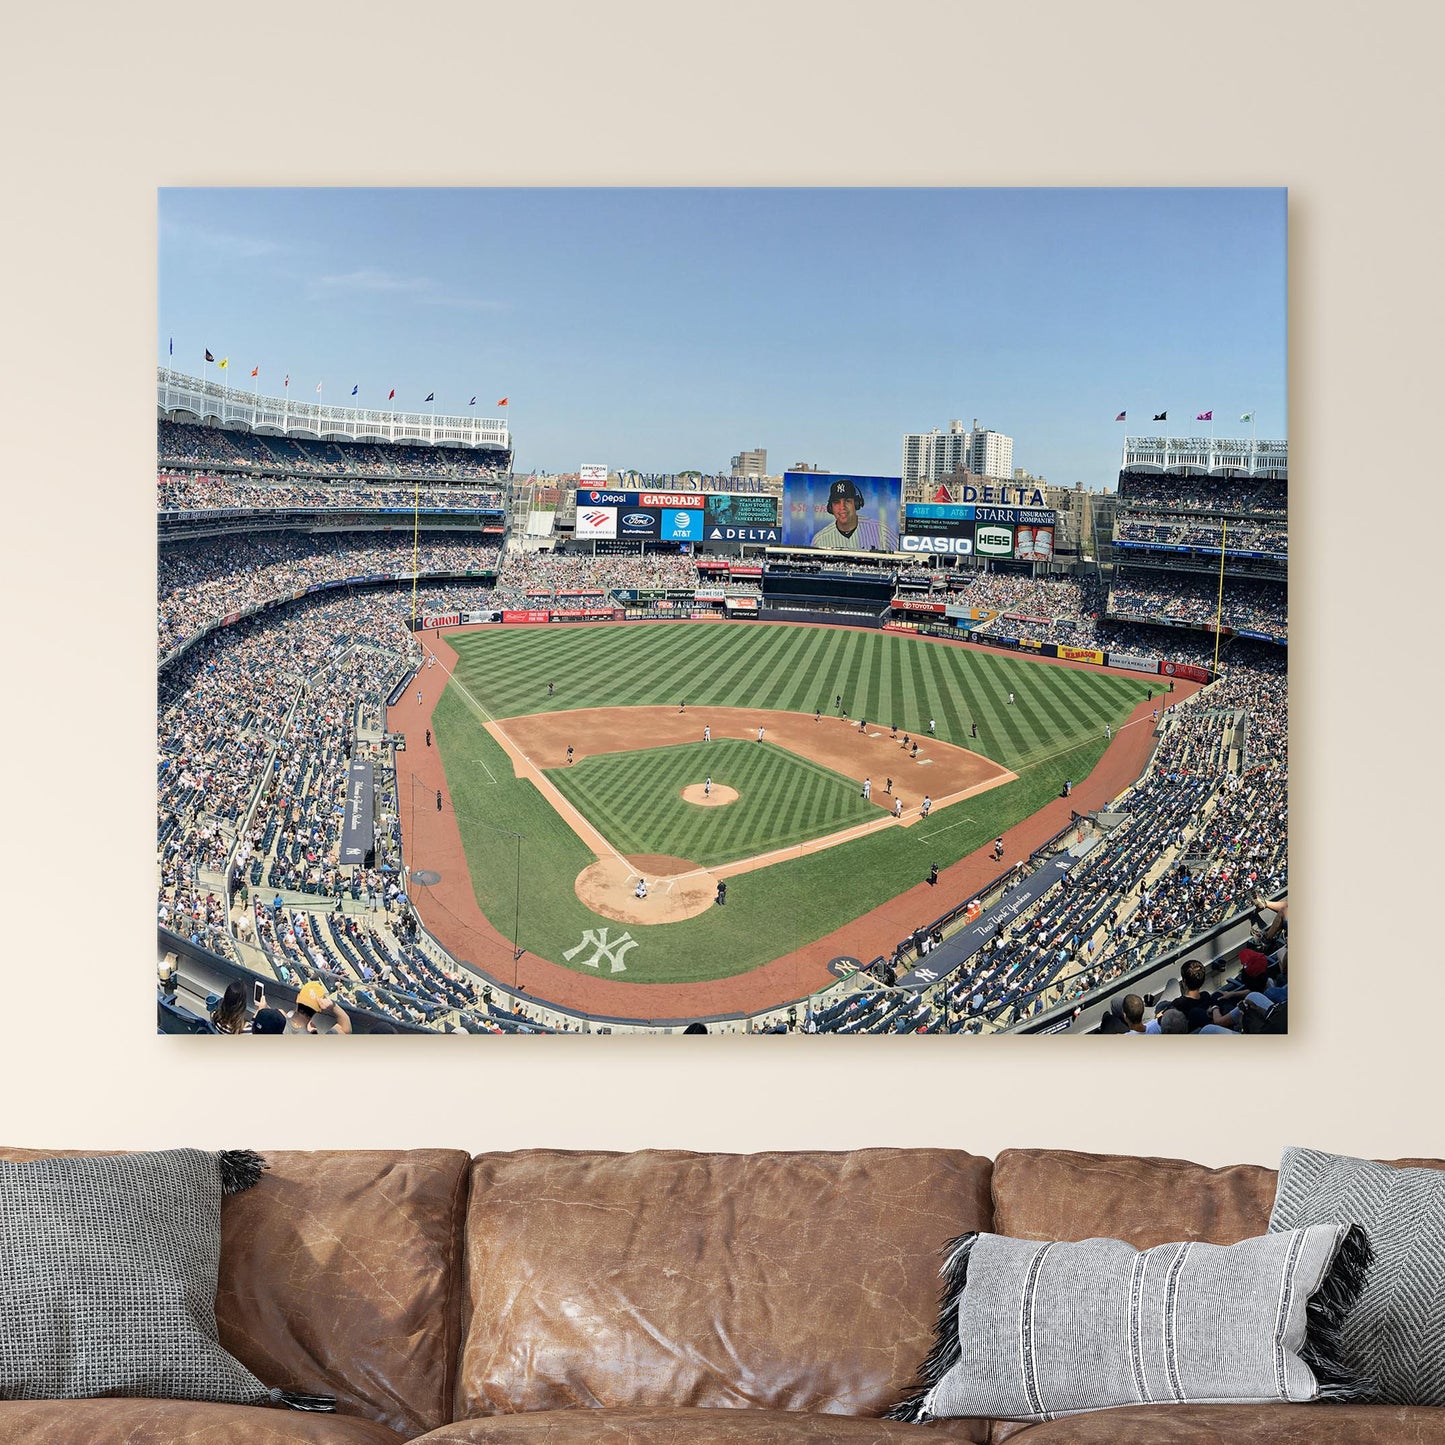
(751, 464)
(930, 456)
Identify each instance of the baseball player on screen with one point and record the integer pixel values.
(848, 532)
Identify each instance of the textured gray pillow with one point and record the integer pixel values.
(108, 1278)
(1396, 1333)
(1032, 1331)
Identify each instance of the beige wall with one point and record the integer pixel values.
(104, 107)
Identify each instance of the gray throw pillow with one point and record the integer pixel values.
(1032, 1331)
(1396, 1333)
(108, 1278)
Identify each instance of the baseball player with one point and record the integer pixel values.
(974, 730)
(569, 753)
(707, 733)
(707, 787)
(641, 889)
(898, 807)
(418, 697)
(1010, 699)
(760, 734)
(847, 532)
(867, 788)
(931, 732)
(927, 806)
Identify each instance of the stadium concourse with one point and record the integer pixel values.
(284, 610)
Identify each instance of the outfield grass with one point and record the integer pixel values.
(634, 800)
(1053, 731)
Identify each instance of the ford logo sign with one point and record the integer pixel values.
(637, 519)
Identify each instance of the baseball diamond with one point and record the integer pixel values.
(815, 855)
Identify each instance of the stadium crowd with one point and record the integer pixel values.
(182, 443)
(1177, 597)
(1233, 496)
(204, 491)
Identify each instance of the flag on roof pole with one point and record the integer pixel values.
(391, 395)
(1120, 417)
(431, 396)
(173, 346)
(472, 402)
(255, 371)
(287, 382)
(503, 402)
(318, 387)
(1248, 416)
(209, 357)
(353, 390)
(1205, 416)
(223, 363)
(1161, 416)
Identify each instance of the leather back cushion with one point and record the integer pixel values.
(789, 1281)
(1060, 1194)
(341, 1275)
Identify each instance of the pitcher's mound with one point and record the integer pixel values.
(676, 889)
(693, 793)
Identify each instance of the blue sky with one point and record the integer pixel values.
(669, 329)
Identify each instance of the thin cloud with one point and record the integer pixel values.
(227, 245)
(421, 289)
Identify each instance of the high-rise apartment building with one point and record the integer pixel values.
(751, 464)
(929, 456)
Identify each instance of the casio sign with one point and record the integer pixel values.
(957, 546)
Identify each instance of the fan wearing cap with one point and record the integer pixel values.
(312, 1000)
(848, 532)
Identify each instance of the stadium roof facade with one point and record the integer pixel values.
(1222, 456)
(183, 398)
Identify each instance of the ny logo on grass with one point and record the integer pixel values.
(613, 952)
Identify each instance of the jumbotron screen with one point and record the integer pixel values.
(841, 511)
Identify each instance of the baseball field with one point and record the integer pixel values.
(555, 844)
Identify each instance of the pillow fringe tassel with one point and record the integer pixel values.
(240, 1169)
(916, 1406)
(1326, 1314)
(317, 1404)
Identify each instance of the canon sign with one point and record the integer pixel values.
(956, 546)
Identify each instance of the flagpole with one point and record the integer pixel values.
(1219, 604)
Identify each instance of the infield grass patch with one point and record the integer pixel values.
(634, 799)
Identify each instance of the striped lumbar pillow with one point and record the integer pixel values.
(1032, 1331)
(1396, 1333)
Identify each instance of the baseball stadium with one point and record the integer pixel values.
(447, 748)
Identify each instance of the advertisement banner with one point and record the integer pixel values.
(591, 472)
(1034, 544)
(358, 835)
(908, 604)
(745, 571)
(771, 536)
(682, 526)
(1082, 654)
(634, 522)
(1132, 661)
(938, 529)
(1185, 670)
(447, 619)
(530, 614)
(740, 511)
(841, 513)
(992, 540)
(596, 523)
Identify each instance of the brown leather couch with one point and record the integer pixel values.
(559, 1297)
